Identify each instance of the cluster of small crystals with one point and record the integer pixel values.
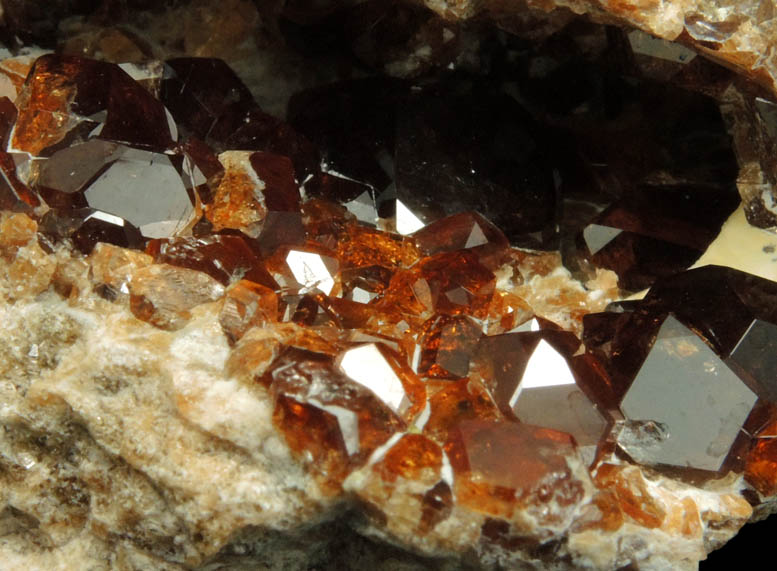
(414, 358)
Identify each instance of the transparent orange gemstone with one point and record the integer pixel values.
(316, 436)
(464, 231)
(246, 305)
(501, 466)
(361, 246)
(449, 283)
(413, 457)
(235, 202)
(44, 103)
(761, 463)
(331, 421)
(629, 486)
(455, 402)
(325, 221)
(506, 312)
(447, 344)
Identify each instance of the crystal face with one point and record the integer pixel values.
(531, 373)
(695, 404)
(415, 288)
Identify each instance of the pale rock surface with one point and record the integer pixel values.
(124, 446)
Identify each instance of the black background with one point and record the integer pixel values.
(753, 540)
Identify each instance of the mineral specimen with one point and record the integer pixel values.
(232, 339)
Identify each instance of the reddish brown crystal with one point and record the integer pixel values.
(223, 257)
(761, 463)
(503, 466)
(447, 343)
(61, 91)
(465, 231)
(413, 457)
(331, 420)
(361, 247)
(456, 402)
(14, 194)
(449, 283)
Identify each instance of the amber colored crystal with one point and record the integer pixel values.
(246, 305)
(449, 283)
(465, 231)
(447, 343)
(345, 313)
(235, 203)
(413, 457)
(63, 90)
(223, 257)
(455, 402)
(327, 418)
(163, 295)
(502, 466)
(631, 490)
(761, 466)
(360, 246)
(506, 312)
(325, 221)
(314, 434)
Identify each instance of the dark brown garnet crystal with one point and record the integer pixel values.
(415, 274)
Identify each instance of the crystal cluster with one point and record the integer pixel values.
(381, 276)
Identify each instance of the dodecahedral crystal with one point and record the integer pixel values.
(69, 99)
(487, 155)
(210, 102)
(153, 191)
(685, 407)
(530, 373)
(360, 334)
(499, 466)
(734, 311)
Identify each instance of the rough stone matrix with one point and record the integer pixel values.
(126, 446)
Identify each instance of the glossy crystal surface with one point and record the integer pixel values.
(381, 276)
